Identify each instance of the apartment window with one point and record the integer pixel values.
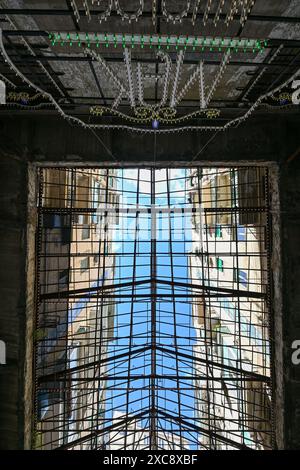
(84, 265)
(95, 200)
(214, 201)
(85, 232)
(240, 276)
(58, 221)
(241, 233)
(52, 220)
(234, 186)
(63, 278)
(211, 230)
(218, 231)
(193, 180)
(65, 235)
(220, 265)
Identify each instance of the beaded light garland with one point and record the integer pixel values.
(179, 62)
(284, 96)
(75, 10)
(206, 12)
(72, 119)
(111, 74)
(212, 113)
(223, 65)
(6, 80)
(154, 12)
(103, 16)
(166, 81)
(195, 11)
(132, 16)
(241, 8)
(263, 70)
(31, 51)
(232, 11)
(22, 95)
(218, 12)
(168, 65)
(146, 114)
(190, 82)
(33, 107)
(247, 7)
(127, 59)
(159, 41)
(178, 17)
(202, 86)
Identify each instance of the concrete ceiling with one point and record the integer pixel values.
(84, 83)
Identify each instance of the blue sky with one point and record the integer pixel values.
(141, 309)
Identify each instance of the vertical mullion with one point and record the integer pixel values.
(132, 305)
(153, 411)
(174, 302)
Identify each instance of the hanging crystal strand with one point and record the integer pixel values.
(223, 65)
(166, 84)
(247, 7)
(263, 70)
(240, 6)
(18, 73)
(233, 122)
(195, 11)
(243, 17)
(202, 85)
(127, 59)
(218, 12)
(106, 14)
(139, 75)
(175, 18)
(4, 79)
(154, 12)
(232, 11)
(87, 10)
(75, 10)
(180, 57)
(111, 74)
(31, 51)
(117, 100)
(130, 17)
(206, 12)
(193, 77)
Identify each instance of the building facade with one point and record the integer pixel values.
(75, 324)
(229, 265)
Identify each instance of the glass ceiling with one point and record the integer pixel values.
(152, 321)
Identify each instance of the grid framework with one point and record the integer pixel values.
(153, 326)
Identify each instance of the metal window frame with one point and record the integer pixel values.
(136, 166)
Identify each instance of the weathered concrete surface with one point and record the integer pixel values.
(270, 137)
(12, 299)
(290, 216)
(51, 140)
